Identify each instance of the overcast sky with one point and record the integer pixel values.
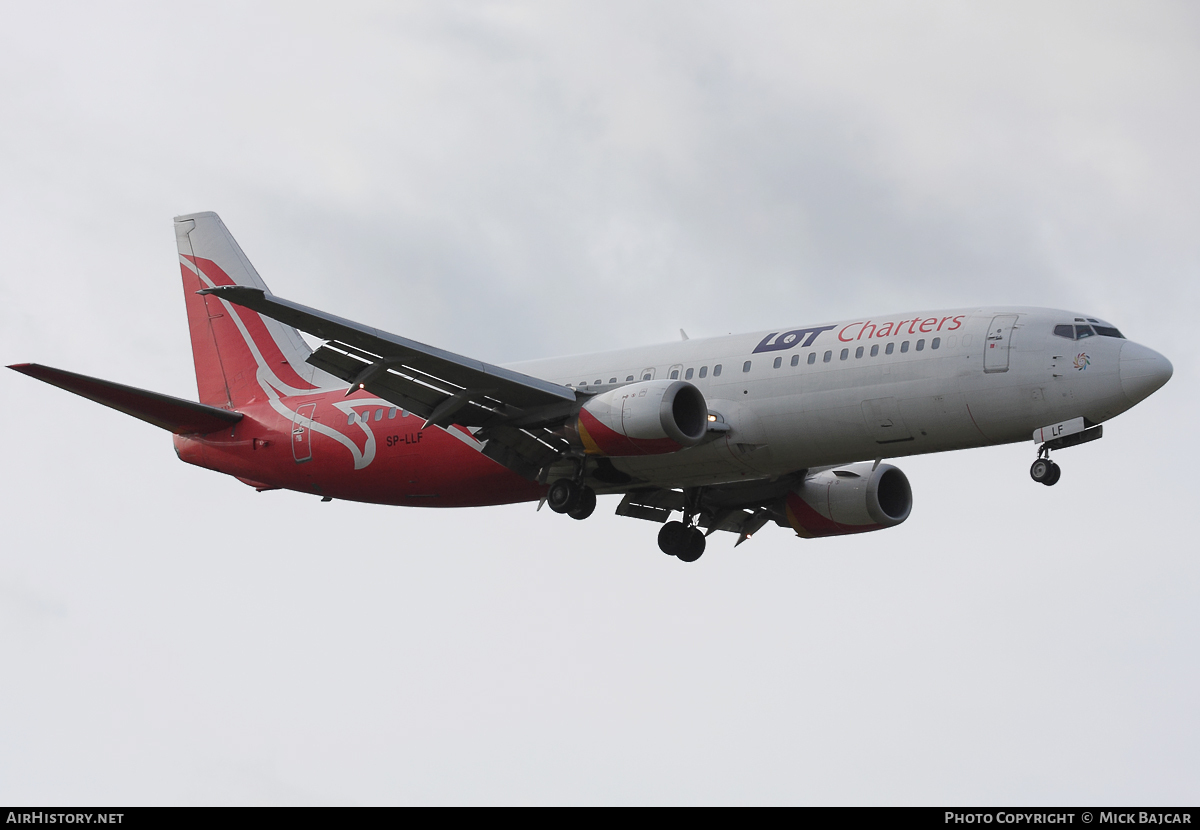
(521, 180)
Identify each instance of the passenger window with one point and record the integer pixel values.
(378, 414)
(612, 380)
(717, 371)
(937, 341)
(629, 378)
(391, 413)
(904, 347)
(687, 375)
(875, 350)
(796, 360)
(812, 358)
(1083, 331)
(828, 357)
(778, 362)
(920, 345)
(891, 347)
(746, 366)
(350, 419)
(1065, 331)
(646, 376)
(858, 352)
(599, 381)
(845, 354)
(674, 374)
(703, 371)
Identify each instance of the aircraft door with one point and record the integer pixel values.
(302, 432)
(999, 338)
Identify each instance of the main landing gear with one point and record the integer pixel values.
(684, 540)
(679, 540)
(1045, 471)
(576, 500)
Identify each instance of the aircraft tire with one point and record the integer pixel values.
(1053, 477)
(585, 505)
(671, 539)
(563, 495)
(693, 548)
(1040, 470)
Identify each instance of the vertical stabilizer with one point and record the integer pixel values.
(240, 356)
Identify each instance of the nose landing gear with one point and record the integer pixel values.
(1043, 470)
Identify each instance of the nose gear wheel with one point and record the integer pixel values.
(1045, 471)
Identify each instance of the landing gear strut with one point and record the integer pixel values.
(1045, 471)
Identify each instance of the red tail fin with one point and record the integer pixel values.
(240, 356)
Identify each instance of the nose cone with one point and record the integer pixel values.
(1142, 371)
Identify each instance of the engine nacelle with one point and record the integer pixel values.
(850, 499)
(647, 418)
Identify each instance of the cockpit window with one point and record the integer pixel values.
(1078, 332)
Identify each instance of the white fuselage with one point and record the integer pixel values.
(878, 387)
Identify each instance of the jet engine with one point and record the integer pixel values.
(647, 418)
(850, 499)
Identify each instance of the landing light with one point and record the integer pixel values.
(712, 417)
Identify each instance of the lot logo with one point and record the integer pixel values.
(1082, 361)
(775, 342)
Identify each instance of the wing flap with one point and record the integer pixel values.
(164, 411)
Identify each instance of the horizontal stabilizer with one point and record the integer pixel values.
(174, 414)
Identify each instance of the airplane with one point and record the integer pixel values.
(789, 426)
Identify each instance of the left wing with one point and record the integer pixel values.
(511, 410)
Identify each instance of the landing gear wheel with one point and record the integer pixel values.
(1055, 474)
(586, 504)
(671, 538)
(1045, 471)
(563, 495)
(677, 539)
(693, 547)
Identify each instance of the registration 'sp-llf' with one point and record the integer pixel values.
(786, 426)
